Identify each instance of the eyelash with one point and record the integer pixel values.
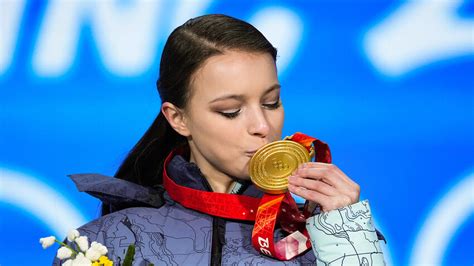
(271, 106)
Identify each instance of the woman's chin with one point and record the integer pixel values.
(243, 177)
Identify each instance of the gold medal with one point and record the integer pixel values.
(271, 165)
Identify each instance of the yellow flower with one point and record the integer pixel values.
(103, 261)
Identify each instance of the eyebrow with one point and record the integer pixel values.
(241, 97)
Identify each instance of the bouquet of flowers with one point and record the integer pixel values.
(82, 254)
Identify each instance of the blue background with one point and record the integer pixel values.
(406, 137)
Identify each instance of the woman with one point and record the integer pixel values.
(220, 103)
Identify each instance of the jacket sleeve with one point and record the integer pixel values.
(345, 236)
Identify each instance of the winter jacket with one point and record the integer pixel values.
(166, 233)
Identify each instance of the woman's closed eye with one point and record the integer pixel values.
(234, 113)
(230, 114)
(272, 106)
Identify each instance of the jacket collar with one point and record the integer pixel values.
(112, 190)
(189, 175)
(186, 173)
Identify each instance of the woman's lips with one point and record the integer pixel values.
(250, 153)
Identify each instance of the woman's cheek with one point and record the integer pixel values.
(278, 121)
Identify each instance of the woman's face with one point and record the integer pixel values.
(234, 110)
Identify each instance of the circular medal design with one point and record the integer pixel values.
(271, 165)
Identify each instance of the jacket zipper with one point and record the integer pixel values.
(218, 233)
(218, 230)
(218, 240)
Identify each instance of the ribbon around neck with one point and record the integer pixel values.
(268, 212)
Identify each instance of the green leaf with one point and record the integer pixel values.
(129, 256)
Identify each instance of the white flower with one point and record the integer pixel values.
(82, 242)
(64, 253)
(73, 234)
(46, 242)
(92, 254)
(80, 260)
(67, 263)
(99, 247)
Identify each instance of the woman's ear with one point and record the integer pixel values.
(176, 118)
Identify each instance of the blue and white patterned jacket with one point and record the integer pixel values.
(166, 233)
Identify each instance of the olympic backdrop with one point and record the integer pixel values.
(388, 84)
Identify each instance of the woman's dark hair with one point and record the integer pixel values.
(186, 49)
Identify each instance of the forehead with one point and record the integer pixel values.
(234, 72)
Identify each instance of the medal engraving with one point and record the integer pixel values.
(271, 165)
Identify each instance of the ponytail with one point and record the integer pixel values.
(144, 163)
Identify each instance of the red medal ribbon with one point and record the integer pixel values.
(283, 209)
(266, 212)
(223, 205)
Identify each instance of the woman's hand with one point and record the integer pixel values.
(324, 184)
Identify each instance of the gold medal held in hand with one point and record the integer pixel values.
(272, 164)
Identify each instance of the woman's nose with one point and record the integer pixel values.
(258, 124)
